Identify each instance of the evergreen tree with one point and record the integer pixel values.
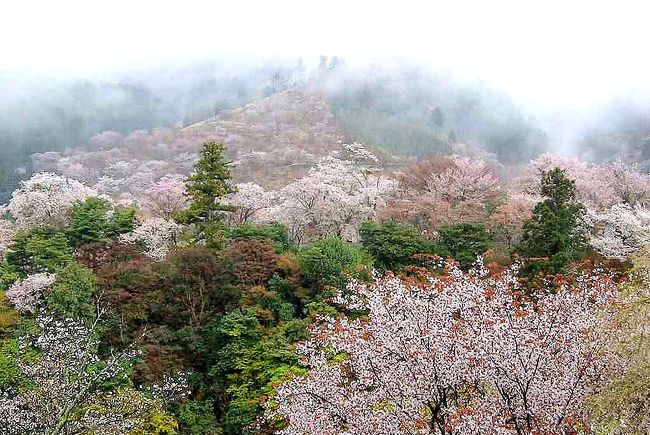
(393, 244)
(464, 242)
(553, 238)
(43, 249)
(209, 183)
(94, 221)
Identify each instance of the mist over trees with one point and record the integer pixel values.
(403, 108)
(41, 115)
(412, 110)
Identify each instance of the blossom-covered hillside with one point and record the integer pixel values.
(271, 142)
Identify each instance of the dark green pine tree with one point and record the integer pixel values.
(206, 186)
(553, 237)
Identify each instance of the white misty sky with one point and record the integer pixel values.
(568, 52)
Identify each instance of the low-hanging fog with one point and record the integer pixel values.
(514, 77)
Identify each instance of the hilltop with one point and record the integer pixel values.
(275, 139)
(271, 141)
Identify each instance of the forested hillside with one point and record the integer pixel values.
(40, 114)
(337, 250)
(406, 110)
(355, 298)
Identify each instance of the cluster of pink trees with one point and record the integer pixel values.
(166, 197)
(443, 191)
(464, 353)
(615, 195)
(340, 192)
(598, 186)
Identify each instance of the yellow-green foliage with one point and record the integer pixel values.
(158, 423)
(623, 404)
(8, 316)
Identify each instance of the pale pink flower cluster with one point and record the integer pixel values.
(333, 199)
(27, 294)
(507, 220)
(157, 236)
(46, 199)
(248, 200)
(7, 233)
(461, 192)
(598, 186)
(466, 354)
(466, 181)
(620, 231)
(166, 197)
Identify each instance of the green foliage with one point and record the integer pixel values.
(622, 404)
(8, 316)
(553, 238)
(158, 423)
(247, 363)
(464, 242)
(8, 274)
(196, 285)
(43, 249)
(197, 418)
(73, 291)
(330, 262)
(275, 232)
(625, 403)
(122, 221)
(393, 244)
(10, 372)
(91, 222)
(209, 183)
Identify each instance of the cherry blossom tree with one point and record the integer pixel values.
(463, 353)
(107, 140)
(507, 220)
(444, 191)
(249, 199)
(46, 162)
(157, 236)
(27, 294)
(529, 180)
(166, 197)
(70, 388)
(333, 199)
(46, 199)
(7, 233)
(108, 185)
(625, 182)
(620, 231)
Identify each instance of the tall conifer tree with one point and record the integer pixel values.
(209, 183)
